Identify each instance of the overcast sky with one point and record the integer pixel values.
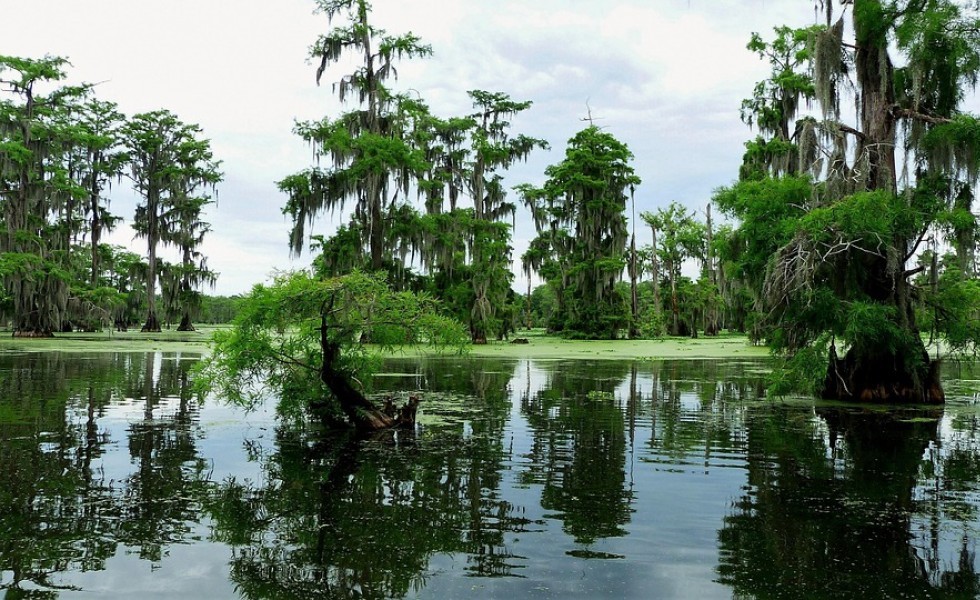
(664, 76)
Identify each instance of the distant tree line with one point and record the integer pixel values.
(61, 150)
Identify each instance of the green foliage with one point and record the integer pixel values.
(767, 211)
(954, 146)
(679, 236)
(943, 57)
(276, 346)
(824, 255)
(579, 215)
(801, 372)
(776, 100)
(38, 187)
(950, 306)
(370, 150)
(171, 164)
(219, 309)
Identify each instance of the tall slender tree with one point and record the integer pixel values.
(681, 237)
(493, 149)
(186, 277)
(369, 156)
(103, 159)
(170, 162)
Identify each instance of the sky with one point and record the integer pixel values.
(664, 76)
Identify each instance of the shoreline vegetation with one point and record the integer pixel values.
(540, 345)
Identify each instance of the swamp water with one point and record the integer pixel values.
(525, 479)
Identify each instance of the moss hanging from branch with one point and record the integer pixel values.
(828, 66)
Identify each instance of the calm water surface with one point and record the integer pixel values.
(525, 479)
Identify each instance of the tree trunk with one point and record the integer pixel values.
(361, 412)
(152, 324)
(711, 318)
(882, 378)
(96, 222)
(873, 69)
(529, 300)
(675, 323)
(634, 331)
(903, 375)
(185, 323)
(657, 308)
(28, 322)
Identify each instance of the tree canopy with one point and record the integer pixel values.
(302, 336)
(833, 210)
(580, 216)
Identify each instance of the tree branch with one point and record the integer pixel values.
(915, 247)
(851, 130)
(286, 359)
(912, 272)
(907, 113)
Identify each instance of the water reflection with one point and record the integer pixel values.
(578, 453)
(340, 517)
(63, 506)
(548, 479)
(833, 504)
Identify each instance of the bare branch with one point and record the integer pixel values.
(914, 271)
(906, 113)
(848, 129)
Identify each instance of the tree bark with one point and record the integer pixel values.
(675, 323)
(153, 235)
(657, 309)
(360, 411)
(634, 331)
(882, 378)
(185, 323)
(152, 324)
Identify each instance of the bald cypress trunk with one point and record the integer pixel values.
(904, 374)
(185, 323)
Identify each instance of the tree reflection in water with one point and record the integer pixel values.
(341, 517)
(834, 505)
(578, 454)
(61, 511)
(519, 473)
